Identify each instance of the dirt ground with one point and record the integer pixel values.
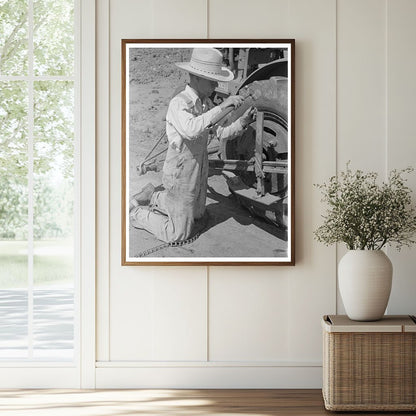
(229, 229)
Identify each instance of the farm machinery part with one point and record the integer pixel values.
(255, 164)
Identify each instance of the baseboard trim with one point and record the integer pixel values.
(204, 364)
(210, 377)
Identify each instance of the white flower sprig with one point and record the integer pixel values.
(365, 215)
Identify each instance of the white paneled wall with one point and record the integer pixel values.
(244, 20)
(401, 131)
(254, 326)
(361, 84)
(256, 310)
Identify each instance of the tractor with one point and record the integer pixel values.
(256, 163)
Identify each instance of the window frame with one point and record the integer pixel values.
(81, 371)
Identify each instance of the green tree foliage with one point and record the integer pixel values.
(53, 37)
(53, 209)
(54, 127)
(53, 118)
(13, 37)
(13, 129)
(13, 208)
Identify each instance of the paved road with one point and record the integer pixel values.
(53, 323)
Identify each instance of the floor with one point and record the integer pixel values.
(165, 402)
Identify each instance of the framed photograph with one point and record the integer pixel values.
(208, 152)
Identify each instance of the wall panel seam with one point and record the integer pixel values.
(386, 97)
(336, 142)
(207, 17)
(207, 317)
(108, 23)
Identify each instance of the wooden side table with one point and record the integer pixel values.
(369, 366)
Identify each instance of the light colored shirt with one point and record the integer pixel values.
(188, 118)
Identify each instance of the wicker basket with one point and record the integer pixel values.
(369, 366)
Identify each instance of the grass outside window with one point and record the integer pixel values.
(53, 263)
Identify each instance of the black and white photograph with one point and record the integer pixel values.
(208, 152)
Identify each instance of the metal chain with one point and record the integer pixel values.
(166, 245)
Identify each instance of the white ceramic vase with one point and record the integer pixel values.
(364, 278)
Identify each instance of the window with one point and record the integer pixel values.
(38, 184)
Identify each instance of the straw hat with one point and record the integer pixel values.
(207, 63)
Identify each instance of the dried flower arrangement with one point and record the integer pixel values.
(366, 215)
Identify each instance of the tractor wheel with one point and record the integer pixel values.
(272, 101)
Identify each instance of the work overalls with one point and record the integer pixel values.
(173, 211)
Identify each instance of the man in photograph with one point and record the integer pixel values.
(170, 214)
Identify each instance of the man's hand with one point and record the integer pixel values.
(232, 101)
(248, 117)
